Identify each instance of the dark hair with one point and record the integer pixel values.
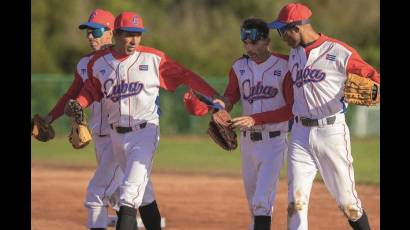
(256, 23)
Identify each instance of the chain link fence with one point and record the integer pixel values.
(46, 90)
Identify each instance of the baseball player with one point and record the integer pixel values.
(128, 77)
(260, 80)
(108, 174)
(319, 66)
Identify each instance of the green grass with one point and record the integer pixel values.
(198, 154)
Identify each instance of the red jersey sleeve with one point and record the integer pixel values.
(90, 92)
(283, 113)
(173, 74)
(92, 87)
(71, 93)
(357, 65)
(232, 91)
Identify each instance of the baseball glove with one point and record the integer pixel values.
(221, 132)
(41, 130)
(80, 135)
(361, 91)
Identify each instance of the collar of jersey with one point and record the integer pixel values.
(315, 44)
(259, 63)
(118, 56)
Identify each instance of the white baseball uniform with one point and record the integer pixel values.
(320, 137)
(130, 86)
(265, 91)
(101, 189)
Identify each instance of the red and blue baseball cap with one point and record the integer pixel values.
(291, 14)
(129, 22)
(99, 19)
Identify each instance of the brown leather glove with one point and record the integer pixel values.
(41, 130)
(361, 91)
(80, 135)
(221, 132)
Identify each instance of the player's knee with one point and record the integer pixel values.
(300, 201)
(261, 206)
(296, 206)
(351, 211)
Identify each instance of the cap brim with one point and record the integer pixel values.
(92, 25)
(276, 25)
(132, 29)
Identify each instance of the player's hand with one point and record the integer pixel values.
(224, 102)
(220, 102)
(47, 119)
(243, 122)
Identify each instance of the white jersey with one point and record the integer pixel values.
(319, 77)
(261, 88)
(98, 116)
(130, 87)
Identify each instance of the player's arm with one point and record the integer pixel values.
(173, 74)
(90, 92)
(281, 114)
(356, 65)
(71, 93)
(232, 92)
(92, 87)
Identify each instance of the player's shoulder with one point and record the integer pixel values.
(150, 50)
(280, 56)
(341, 44)
(84, 60)
(241, 60)
(96, 55)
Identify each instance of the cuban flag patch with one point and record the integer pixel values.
(330, 57)
(143, 67)
(277, 73)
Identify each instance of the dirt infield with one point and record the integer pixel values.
(186, 201)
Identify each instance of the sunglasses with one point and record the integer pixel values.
(252, 34)
(282, 31)
(97, 33)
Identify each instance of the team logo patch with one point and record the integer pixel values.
(277, 73)
(330, 57)
(143, 67)
(307, 75)
(135, 20)
(258, 92)
(242, 71)
(120, 91)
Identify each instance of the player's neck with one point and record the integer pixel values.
(309, 37)
(263, 57)
(118, 53)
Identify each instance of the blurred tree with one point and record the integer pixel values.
(202, 34)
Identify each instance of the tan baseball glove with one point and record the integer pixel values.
(80, 135)
(220, 130)
(361, 91)
(41, 130)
